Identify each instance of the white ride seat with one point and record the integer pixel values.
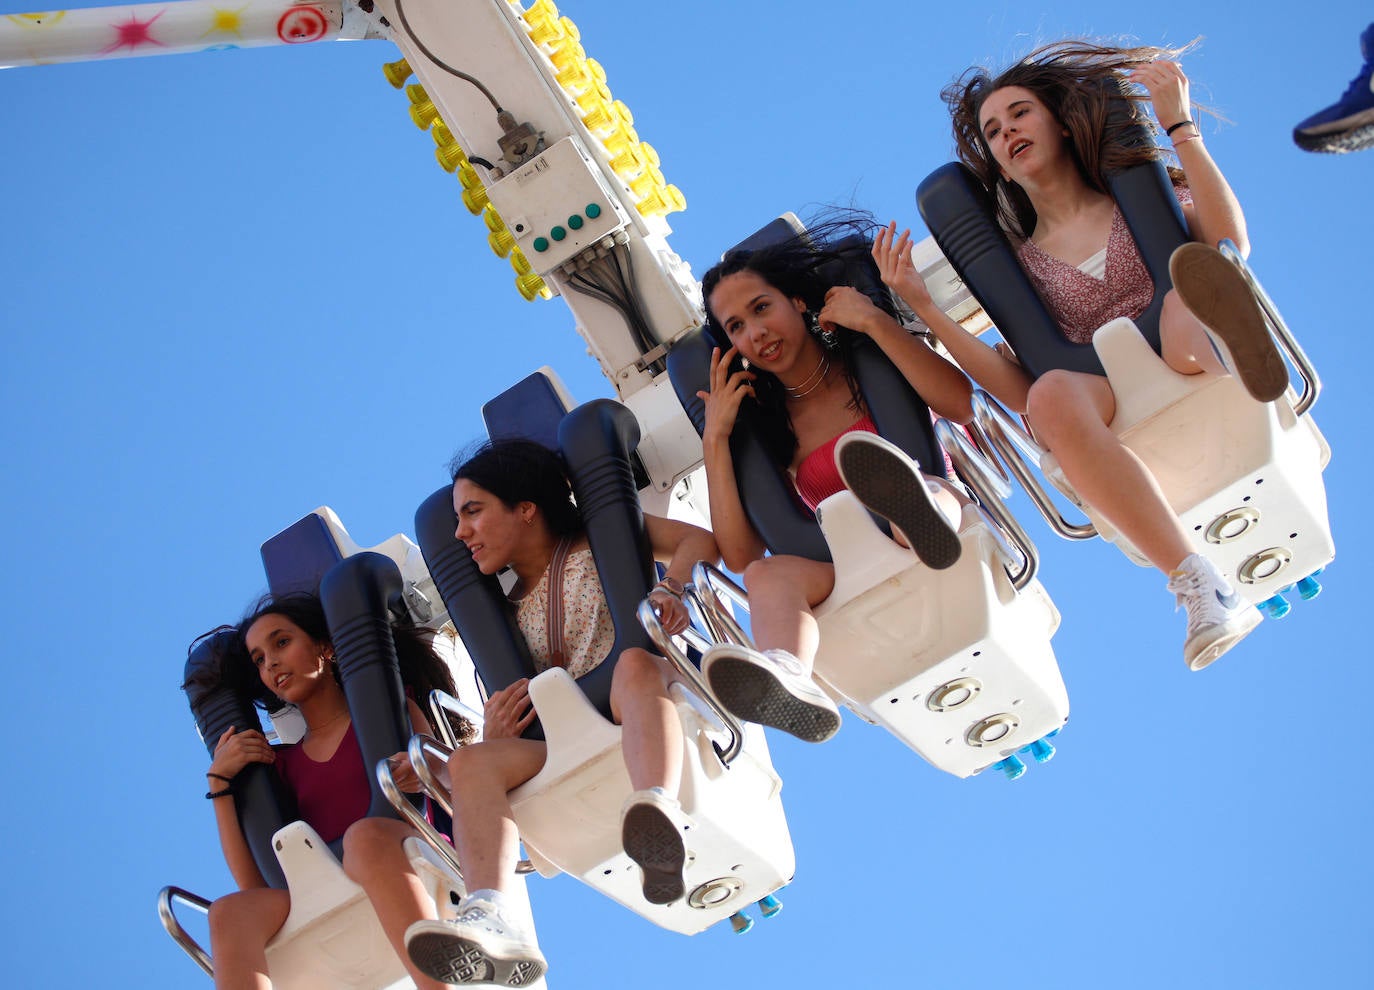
(739, 848)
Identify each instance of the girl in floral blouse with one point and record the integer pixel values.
(514, 508)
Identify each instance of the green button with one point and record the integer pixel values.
(593, 211)
(541, 243)
(575, 222)
(558, 233)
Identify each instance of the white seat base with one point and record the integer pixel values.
(929, 655)
(568, 814)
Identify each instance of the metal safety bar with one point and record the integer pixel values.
(997, 431)
(167, 899)
(1312, 384)
(648, 618)
(418, 750)
(441, 702)
(992, 485)
(709, 583)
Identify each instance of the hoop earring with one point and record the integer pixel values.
(827, 338)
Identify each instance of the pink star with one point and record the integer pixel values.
(133, 33)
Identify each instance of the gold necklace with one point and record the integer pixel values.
(813, 381)
(328, 721)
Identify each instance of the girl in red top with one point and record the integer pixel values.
(787, 376)
(287, 653)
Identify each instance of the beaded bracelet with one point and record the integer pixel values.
(1168, 131)
(211, 795)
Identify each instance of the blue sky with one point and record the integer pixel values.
(236, 287)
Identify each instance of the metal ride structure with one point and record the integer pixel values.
(568, 192)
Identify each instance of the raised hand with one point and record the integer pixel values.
(898, 271)
(508, 712)
(846, 306)
(727, 392)
(1168, 89)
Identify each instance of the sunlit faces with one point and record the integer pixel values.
(288, 661)
(1020, 131)
(767, 327)
(492, 530)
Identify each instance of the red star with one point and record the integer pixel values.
(133, 33)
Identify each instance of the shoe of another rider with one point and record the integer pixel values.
(652, 825)
(1348, 124)
(771, 688)
(889, 483)
(1215, 291)
(1218, 617)
(486, 943)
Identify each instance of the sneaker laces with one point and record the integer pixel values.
(1189, 588)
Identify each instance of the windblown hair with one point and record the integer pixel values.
(1084, 86)
(518, 471)
(422, 671)
(835, 251)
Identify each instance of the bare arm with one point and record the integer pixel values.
(944, 387)
(1215, 212)
(739, 544)
(233, 752)
(1006, 380)
(680, 545)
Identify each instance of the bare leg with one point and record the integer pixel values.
(241, 925)
(1070, 412)
(652, 740)
(374, 858)
(782, 591)
(484, 829)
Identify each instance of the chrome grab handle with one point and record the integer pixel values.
(648, 618)
(417, 750)
(167, 899)
(442, 701)
(1312, 384)
(992, 486)
(709, 583)
(997, 431)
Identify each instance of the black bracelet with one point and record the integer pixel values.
(219, 776)
(219, 794)
(1182, 123)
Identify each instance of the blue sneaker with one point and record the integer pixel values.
(1348, 124)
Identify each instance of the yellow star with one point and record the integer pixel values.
(226, 22)
(45, 19)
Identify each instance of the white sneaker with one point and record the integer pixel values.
(481, 945)
(770, 689)
(651, 831)
(889, 483)
(1218, 618)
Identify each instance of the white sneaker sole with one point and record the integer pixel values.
(1215, 292)
(756, 694)
(884, 480)
(652, 839)
(1200, 651)
(451, 958)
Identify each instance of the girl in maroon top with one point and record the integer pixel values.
(781, 379)
(286, 647)
(1042, 136)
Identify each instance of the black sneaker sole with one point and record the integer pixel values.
(454, 960)
(889, 486)
(754, 695)
(653, 841)
(1215, 292)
